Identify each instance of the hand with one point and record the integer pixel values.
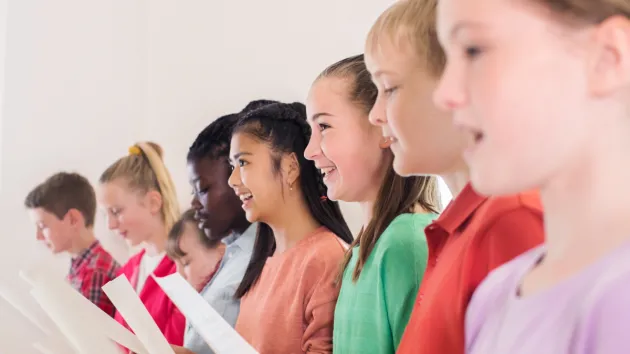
(181, 350)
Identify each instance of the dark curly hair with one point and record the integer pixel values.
(284, 128)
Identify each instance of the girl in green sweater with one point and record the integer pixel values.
(385, 264)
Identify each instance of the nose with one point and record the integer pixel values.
(450, 94)
(194, 203)
(313, 149)
(39, 235)
(377, 114)
(235, 178)
(112, 223)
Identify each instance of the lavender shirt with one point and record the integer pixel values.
(586, 314)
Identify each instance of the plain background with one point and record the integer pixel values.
(80, 81)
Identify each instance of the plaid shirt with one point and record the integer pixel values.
(89, 271)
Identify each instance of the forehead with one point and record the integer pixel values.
(325, 93)
(392, 58)
(244, 142)
(114, 192)
(207, 169)
(41, 215)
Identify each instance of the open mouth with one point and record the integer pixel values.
(245, 197)
(327, 172)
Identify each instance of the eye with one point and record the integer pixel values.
(241, 162)
(323, 126)
(389, 91)
(472, 52)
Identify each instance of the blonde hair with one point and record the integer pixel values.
(143, 170)
(410, 22)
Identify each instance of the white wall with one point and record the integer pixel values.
(85, 79)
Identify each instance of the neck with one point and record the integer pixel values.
(586, 207)
(294, 223)
(367, 209)
(456, 180)
(85, 239)
(156, 243)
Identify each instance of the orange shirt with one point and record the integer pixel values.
(473, 236)
(291, 307)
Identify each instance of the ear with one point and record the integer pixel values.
(609, 64)
(75, 218)
(153, 201)
(290, 168)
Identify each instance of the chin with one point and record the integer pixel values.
(493, 186)
(252, 216)
(402, 167)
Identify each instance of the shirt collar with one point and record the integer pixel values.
(85, 255)
(460, 209)
(244, 241)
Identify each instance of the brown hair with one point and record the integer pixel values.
(64, 191)
(175, 234)
(397, 195)
(587, 11)
(410, 22)
(143, 170)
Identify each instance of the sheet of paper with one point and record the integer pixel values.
(26, 310)
(215, 331)
(53, 345)
(82, 336)
(90, 314)
(127, 302)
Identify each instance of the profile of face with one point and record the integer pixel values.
(134, 216)
(216, 205)
(424, 140)
(198, 261)
(260, 186)
(523, 87)
(345, 147)
(56, 234)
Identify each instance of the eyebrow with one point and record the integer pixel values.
(460, 26)
(316, 116)
(239, 154)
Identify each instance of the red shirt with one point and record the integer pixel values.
(89, 271)
(473, 236)
(165, 314)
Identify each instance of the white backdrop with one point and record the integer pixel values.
(85, 79)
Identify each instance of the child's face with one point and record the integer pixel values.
(198, 262)
(55, 233)
(253, 179)
(132, 216)
(344, 145)
(424, 139)
(517, 84)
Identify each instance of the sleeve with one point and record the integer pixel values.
(320, 305)
(605, 328)
(402, 269)
(511, 234)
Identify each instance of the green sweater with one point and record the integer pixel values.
(371, 314)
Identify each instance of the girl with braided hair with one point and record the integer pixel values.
(139, 196)
(288, 293)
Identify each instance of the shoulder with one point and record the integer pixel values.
(406, 230)
(132, 264)
(326, 247)
(526, 204)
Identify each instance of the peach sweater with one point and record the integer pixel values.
(290, 309)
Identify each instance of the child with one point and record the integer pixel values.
(384, 267)
(64, 208)
(542, 89)
(219, 214)
(474, 234)
(288, 292)
(139, 196)
(197, 255)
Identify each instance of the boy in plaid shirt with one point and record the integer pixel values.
(64, 208)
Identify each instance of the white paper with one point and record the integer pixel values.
(216, 332)
(127, 302)
(53, 345)
(89, 314)
(25, 310)
(82, 337)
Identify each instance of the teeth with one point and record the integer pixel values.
(327, 170)
(245, 196)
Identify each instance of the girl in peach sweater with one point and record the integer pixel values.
(288, 293)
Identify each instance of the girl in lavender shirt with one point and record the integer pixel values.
(543, 88)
